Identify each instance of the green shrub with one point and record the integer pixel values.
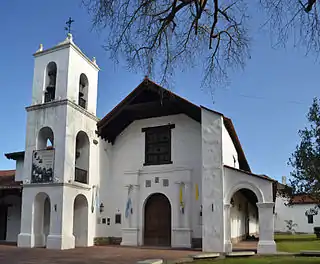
(316, 230)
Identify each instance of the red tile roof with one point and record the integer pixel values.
(302, 199)
(6, 173)
(7, 179)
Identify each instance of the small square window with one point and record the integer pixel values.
(156, 179)
(165, 182)
(118, 219)
(310, 219)
(103, 221)
(148, 183)
(108, 221)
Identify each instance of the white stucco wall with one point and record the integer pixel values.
(235, 180)
(61, 58)
(78, 65)
(212, 182)
(19, 170)
(296, 213)
(70, 65)
(229, 152)
(122, 163)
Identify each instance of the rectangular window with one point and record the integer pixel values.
(310, 219)
(165, 182)
(158, 145)
(118, 219)
(148, 183)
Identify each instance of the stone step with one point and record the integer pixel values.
(206, 256)
(241, 254)
(150, 261)
(313, 253)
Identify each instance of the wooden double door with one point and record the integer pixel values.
(157, 224)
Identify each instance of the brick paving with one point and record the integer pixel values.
(92, 255)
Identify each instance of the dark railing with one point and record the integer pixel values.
(81, 176)
(82, 103)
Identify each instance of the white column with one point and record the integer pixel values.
(181, 231)
(26, 235)
(61, 219)
(227, 229)
(266, 243)
(130, 231)
(212, 182)
(135, 206)
(187, 210)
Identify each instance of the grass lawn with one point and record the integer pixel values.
(261, 260)
(296, 243)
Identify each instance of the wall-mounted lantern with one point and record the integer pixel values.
(101, 207)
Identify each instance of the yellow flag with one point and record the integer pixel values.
(181, 194)
(197, 192)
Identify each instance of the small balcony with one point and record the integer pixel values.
(81, 176)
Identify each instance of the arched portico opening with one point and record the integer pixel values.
(244, 216)
(41, 219)
(80, 221)
(157, 220)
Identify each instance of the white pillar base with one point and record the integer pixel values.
(267, 247)
(60, 242)
(25, 240)
(227, 246)
(129, 237)
(181, 238)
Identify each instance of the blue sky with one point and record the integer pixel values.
(267, 101)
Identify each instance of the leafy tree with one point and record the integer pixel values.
(169, 35)
(305, 160)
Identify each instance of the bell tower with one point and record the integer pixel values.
(60, 167)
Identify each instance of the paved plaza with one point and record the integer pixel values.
(97, 255)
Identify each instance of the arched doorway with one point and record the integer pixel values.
(41, 221)
(244, 220)
(157, 221)
(80, 221)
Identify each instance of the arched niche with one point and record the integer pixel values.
(50, 82)
(82, 158)
(45, 138)
(80, 221)
(83, 91)
(244, 216)
(41, 219)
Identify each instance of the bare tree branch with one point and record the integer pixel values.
(167, 35)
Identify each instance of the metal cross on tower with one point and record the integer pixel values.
(69, 22)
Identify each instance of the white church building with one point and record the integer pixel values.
(157, 170)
